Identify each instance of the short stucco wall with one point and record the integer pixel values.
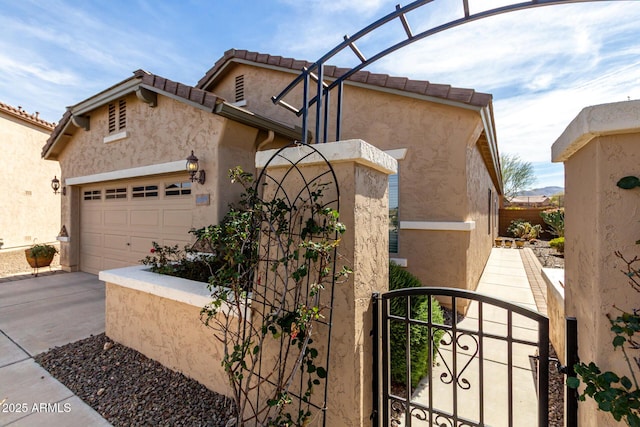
(554, 277)
(159, 316)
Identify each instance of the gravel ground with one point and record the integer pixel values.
(14, 262)
(547, 255)
(129, 389)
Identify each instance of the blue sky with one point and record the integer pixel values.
(542, 65)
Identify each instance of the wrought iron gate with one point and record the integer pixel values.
(486, 367)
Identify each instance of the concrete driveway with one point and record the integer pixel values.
(36, 314)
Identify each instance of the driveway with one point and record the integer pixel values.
(38, 313)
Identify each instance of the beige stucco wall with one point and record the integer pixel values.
(442, 177)
(165, 133)
(600, 219)
(167, 331)
(29, 211)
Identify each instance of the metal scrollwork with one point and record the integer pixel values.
(448, 377)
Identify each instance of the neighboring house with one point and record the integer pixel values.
(443, 202)
(30, 211)
(530, 201)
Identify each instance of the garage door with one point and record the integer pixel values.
(119, 220)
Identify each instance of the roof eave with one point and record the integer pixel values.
(247, 117)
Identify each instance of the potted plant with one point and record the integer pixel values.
(507, 243)
(40, 255)
(498, 242)
(519, 243)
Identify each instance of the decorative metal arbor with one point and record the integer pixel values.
(318, 95)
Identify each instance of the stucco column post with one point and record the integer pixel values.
(600, 146)
(362, 173)
(70, 245)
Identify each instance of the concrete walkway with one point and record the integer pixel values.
(38, 313)
(505, 278)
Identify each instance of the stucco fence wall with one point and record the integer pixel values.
(531, 215)
(160, 315)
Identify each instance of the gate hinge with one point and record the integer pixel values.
(562, 369)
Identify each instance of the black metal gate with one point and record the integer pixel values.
(486, 367)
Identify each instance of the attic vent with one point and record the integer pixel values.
(122, 114)
(112, 118)
(239, 88)
(118, 120)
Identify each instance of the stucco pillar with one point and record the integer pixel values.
(362, 173)
(600, 146)
(70, 219)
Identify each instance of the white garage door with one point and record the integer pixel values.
(119, 220)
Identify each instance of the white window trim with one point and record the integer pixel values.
(161, 168)
(402, 262)
(115, 137)
(438, 225)
(242, 103)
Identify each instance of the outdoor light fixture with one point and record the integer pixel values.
(55, 184)
(192, 168)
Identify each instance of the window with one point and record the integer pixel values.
(239, 88)
(393, 214)
(117, 118)
(115, 193)
(177, 188)
(489, 216)
(144, 191)
(92, 195)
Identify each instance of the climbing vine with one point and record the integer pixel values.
(268, 299)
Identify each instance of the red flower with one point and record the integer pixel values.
(153, 250)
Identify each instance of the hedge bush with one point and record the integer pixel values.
(399, 278)
(558, 244)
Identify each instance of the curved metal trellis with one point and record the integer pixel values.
(315, 72)
(297, 207)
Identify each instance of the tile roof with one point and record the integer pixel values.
(179, 90)
(421, 87)
(190, 93)
(23, 115)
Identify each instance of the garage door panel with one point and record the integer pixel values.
(110, 263)
(91, 241)
(116, 241)
(143, 245)
(146, 218)
(91, 263)
(115, 218)
(91, 218)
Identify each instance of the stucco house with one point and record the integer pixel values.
(29, 208)
(121, 178)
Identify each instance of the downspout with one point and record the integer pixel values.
(270, 137)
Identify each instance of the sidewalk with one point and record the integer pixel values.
(38, 313)
(504, 277)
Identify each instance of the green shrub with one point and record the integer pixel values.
(524, 230)
(555, 220)
(399, 278)
(186, 263)
(558, 244)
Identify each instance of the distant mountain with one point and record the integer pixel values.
(545, 191)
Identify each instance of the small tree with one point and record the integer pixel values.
(516, 174)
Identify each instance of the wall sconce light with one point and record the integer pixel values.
(55, 184)
(192, 168)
